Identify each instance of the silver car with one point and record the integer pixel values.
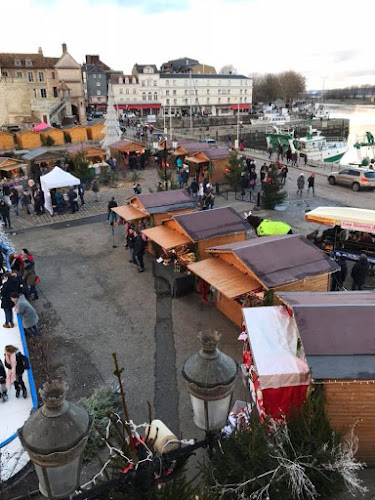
(355, 177)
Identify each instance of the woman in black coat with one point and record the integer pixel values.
(10, 285)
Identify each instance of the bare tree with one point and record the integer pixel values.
(292, 85)
(228, 69)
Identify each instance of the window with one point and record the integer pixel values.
(28, 62)
(55, 93)
(167, 101)
(174, 101)
(228, 100)
(219, 91)
(167, 83)
(196, 101)
(186, 92)
(127, 90)
(35, 93)
(30, 76)
(219, 100)
(245, 98)
(228, 91)
(17, 62)
(175, 92)
(143, 83)
(370, 175)
(98, 99)
(4, 74)
(245, 91)
(98, 92)
(356, 173)
(134, 91)
(98, 84)
(120, 80)
(150, 96)
(94, 76)
(53, 75)
(155, 83)
(196, 92)
(155, 96)
(126, 80)
(121, 91)
(241, 82)
(143, 96)
(19, 74)
(41, 76)
(43, 93)
(240, 99)
(208, 100)
(134, 80)
(241, 91)
(174, 82)
(186, 101)
(208, 91)
(167, 92)
(99, 76)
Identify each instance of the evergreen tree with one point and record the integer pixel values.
(234, 170)
(272, 189)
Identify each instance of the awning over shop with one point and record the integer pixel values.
(241, 106)
(124, 146)
(197, 158)
(226, 278)
(138, 106)
(355, 219)
(9, 164)
(129, 213)
(166, 237)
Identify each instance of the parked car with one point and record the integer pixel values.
(354, 177)
(97, 114)
(209, 140)
(89, 117)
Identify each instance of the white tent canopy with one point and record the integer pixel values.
(57, 178)
(273, 336)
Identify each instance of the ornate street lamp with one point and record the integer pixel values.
(155, 144)
(164, 158)
(55, 436)
(174, 143)
(210, 376)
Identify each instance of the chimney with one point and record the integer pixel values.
(40, 51)
(64, 48)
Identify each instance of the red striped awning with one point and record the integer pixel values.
(138, 106)
(241, 106)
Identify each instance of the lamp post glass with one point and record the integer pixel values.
(55, 436)
(155, 144)
(210, 376)
(174, 144)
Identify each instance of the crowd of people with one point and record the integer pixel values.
(19, 286)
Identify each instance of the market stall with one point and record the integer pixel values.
(54, 133)
(94, 154)
(43, 155)
(13, 169)
(181, 240)
(154, 208)
(337, 334)
(57, 178)
(352, 231)
(275, 367)
(210, 163)
(270, 263)
(28, 139)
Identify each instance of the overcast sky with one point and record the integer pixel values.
(326, 40)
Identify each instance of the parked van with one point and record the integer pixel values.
(151, 118)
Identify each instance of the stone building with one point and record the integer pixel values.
(29, 86)
(148, 91)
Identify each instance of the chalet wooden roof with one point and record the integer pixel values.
(166, 237)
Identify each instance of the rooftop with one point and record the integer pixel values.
(210, 223)
(207, 76)
(164, 198)
(34, 61)
(296, 258)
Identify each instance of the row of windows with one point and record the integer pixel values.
(186, 101)
(202, 82)
(127, 91)
(192, 92)
(28, 62)
(126, 80)
(30, 75)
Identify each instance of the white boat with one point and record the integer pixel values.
(314, 146)
(275, 118)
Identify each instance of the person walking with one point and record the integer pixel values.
(95, 189)
(139, 250)
(263, 172)
(340, 276)
(194, 186)
(3, 386)
(16, 363)
(72, 195)
(253, 178)
(38, 202)
(5, 214)
(10, 285)
(300, 184)
(30, 278)
(111, 204)
(283, 175)
(311, 184)
(359, 272)
(28, 314)
(26, 201)
(25, 254)
(14, 199)
(130, 243)
(81, 192)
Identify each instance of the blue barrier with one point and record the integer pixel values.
(34, 396)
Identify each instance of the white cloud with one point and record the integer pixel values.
(322, 39)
